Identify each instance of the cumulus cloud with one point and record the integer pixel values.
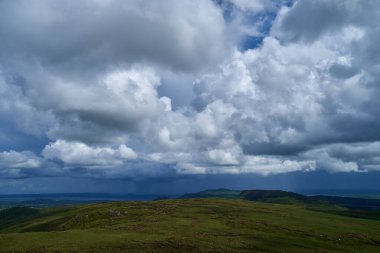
(140, 89)
(326, 161)
(360, 156)
(17, 164)
(270, 165)
(119, 101)
(308, 21)
(14, 159)
(79, 154)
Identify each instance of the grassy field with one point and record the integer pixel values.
(189, 225)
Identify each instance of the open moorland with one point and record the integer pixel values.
(190, 225)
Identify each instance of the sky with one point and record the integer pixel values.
(171, 96)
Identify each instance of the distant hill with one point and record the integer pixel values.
(273, 196)
(213, 193)
(284, 197)
(369, 204)
(60, 199)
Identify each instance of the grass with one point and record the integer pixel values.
(190, 225)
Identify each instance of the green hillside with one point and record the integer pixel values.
(15, 215)
(189, 225)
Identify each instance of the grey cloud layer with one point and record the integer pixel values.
(86, 34)
(94, 77)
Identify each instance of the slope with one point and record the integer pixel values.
(190, 225)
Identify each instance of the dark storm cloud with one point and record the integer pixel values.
(82, 35)
(341, 71)
(274, 149)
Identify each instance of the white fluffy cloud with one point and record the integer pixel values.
(360, 156)
(270, 165)
(14, 159)
(79, 154)
(18, 164)
(140, 88)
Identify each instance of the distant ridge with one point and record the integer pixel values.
(213, 193)
(276, 196)
(285, 197)
(60, 199)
